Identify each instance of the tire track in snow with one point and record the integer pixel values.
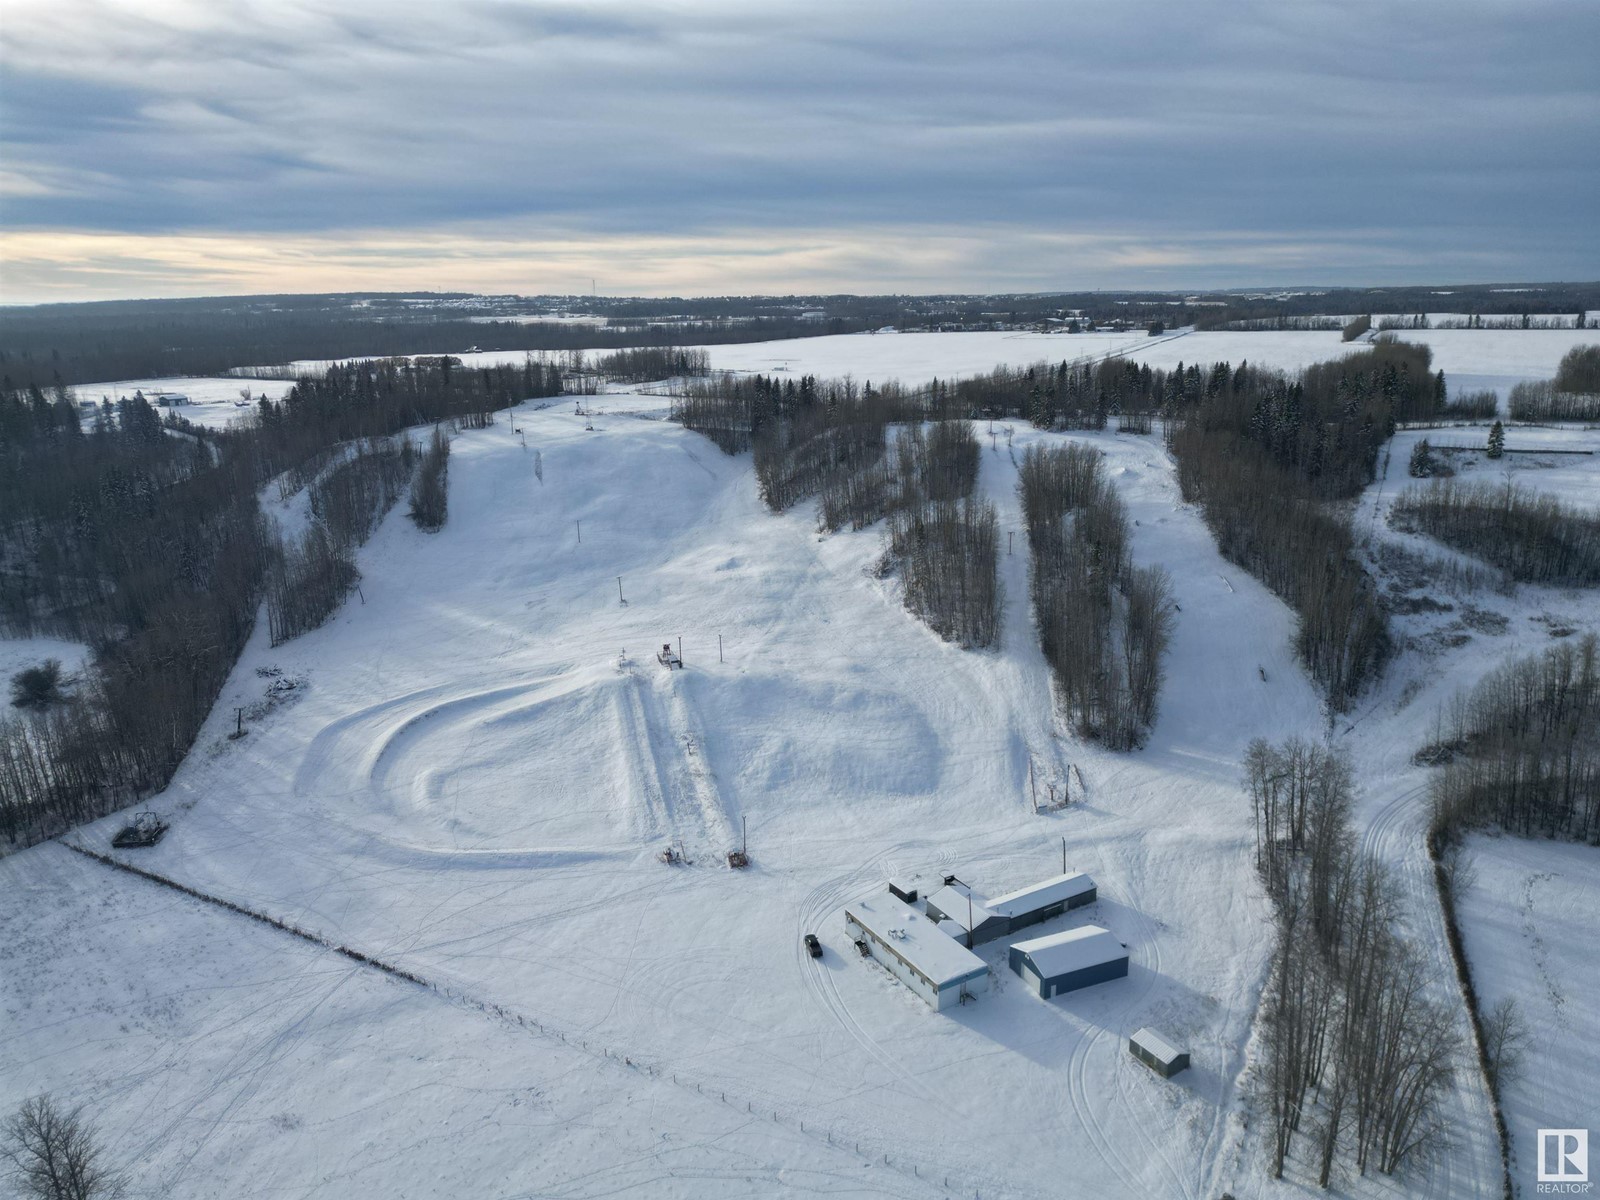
(823, 900)
(1396, 836)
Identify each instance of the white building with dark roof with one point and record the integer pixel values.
(915, 951)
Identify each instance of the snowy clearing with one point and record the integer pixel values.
(212, 401)
(17, 654)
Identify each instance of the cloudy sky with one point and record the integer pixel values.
(160, 148)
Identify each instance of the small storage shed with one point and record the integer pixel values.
(914, 951)
(1043, 900)
(1157, 1053)
(966, 913)
(903, 889)
(1065, 962)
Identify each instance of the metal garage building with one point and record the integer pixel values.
(1043, 900)
(1064, 962)
(1157, 1053)
(914, 951)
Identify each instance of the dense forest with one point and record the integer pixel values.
(145, 542)
(1103, 624)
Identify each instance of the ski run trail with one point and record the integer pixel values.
(483, 761)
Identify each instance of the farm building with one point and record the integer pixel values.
(1043, 900)
(965, 915)
(1155, 1052)
(1065, 962)
(914, 951)
(989, 919)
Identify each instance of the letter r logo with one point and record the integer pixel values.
(1563, 1156)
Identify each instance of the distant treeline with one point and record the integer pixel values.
(1522, 749)
(1579, 370)
(651, 363)
(1103, 624)
(145, 542)
(1533, 537)
(1573, 395)
(1540, 401)
(68, 344)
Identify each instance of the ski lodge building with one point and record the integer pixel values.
(914, 950)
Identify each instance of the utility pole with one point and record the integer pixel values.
(580, 533)
(969, 920)
(719, 648)
(1010, 533)
(620, 600)
(1063, 856)
(239, 712)
(1033, 788)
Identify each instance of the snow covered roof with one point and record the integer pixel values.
(915, 939)
(1063, 953)
(1157, 1045)
(1041, 895)
(953, 900)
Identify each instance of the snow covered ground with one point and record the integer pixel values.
(17, 654)
(481, 759)
(1470, 359)
(1529, 925)
(212, 399)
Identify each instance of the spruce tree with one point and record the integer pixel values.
(1497, 440)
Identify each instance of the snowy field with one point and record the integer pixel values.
(1472, 360)
(212, 399)
(480, 760)
(1529, 924)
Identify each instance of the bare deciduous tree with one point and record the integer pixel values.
(55, 1155)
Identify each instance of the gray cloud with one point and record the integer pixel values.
(1453, 136)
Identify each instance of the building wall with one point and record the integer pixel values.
(1023, 920)
(952, 995)
(901, 970)
(1072, 980)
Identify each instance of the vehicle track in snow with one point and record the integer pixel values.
(822, 902)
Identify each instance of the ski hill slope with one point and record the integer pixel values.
(473, 777)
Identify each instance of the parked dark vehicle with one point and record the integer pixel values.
(814, 946)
